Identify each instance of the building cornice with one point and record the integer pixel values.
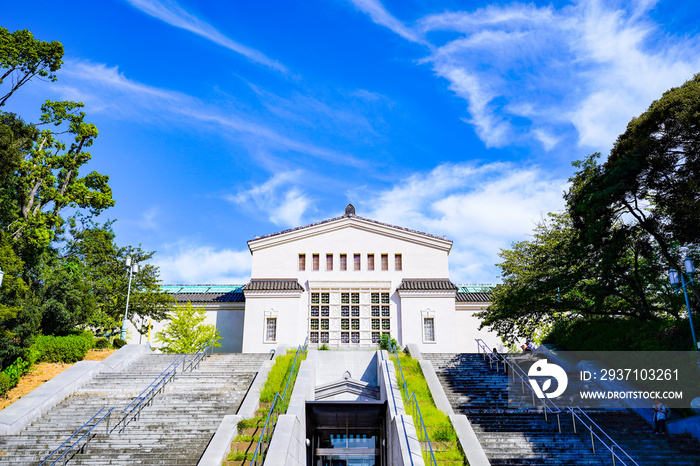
(354, 222)
(381, 285)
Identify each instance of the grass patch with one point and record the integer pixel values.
(277, 378)
(437, 423)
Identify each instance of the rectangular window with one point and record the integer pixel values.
(370, 261)
(355, 298)
(314, 311)
(355, 337)
(271, 329)
(344, 337)
(314, 298)
(428, 329)
(375, 298)
(386, 324)
(344, 311)
(344, 298)
(316, 261)
(344, 324)
(326, 298)
(375, 337)
(314, 337)
(324, 324)
(375, 311)
(325, 311)
(324, 337)
(314, 324)
(397, 262)
(385, 261)
(343, 262)
(356, 311)
(375, 324)
(356, 258)
(385, 298)
(355, 324)
(385, 311)
(329, 261)
(302, 262)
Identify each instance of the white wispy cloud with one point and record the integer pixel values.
(106, 89)
(482, 208)
(172, 13)
(280, 197)
(189, 263)
(577, 73)
(381, 16)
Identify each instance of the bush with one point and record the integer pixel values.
(384, 343)
(621, 334)
(4, 384)
(118, 343)
(68, 349)
(102, 343)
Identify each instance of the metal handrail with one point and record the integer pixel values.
(524, 379)
(575, 416)
(133, 411)
(415, 409)
(197, 357)
(522, 375)
(396, 411)
(279, 405)
(86, 436)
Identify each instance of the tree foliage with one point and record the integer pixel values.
(627, 222)
(186, 332)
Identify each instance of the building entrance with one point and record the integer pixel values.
(346, 434)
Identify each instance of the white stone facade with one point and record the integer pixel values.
(344, 282)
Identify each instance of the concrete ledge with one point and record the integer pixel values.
(415, 352)
(436, 390)
(220, 444)
(251, 401)
(28, 408)
(467, 439)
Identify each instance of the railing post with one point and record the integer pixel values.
(573, 420)
(592, 442)
(613, 453)
(559, 422)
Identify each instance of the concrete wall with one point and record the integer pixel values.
(415, 306)
(285, 307)
(30, 407)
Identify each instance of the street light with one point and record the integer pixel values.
(132, 270)
(678, 279)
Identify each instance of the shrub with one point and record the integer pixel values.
(101, 343)
(4, 384)
(384, 343)
(68, 349)
(323, 347)
(118, 343)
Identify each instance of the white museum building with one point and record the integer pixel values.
(344, 282)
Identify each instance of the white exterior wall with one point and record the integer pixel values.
(469, 327)
(441, 307)
(285, 307)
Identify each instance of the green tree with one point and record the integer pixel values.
(650, 182)
(186, 332)
(22, 57)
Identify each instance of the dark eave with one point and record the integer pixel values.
(273, 285)
(422, 284)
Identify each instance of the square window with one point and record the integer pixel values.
(316, 261)
(356, 259)
(356, 311)
(345, 337)
(355, 298)
(397, 262)
(344, 311)
(302, 262)
(324, 337)
(314, 311)
(370, 261)
(375, 324)
(355, 324)
(326, 298)
(325, 311)
(428, 329)
(375, 311)
(344, 324)
(314, 324)
(329, 261)
(385, 261)
(355, 337)
(314, 298)
(324, 324)
(271, 329)
(386, 324)
(343, 262)
(314, 337)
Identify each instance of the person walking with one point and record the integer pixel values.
(660, 416)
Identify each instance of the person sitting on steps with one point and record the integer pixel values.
(660, 416)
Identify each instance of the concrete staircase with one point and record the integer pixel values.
(175, 429)
(521, 436)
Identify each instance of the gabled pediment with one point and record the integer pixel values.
(347, 386)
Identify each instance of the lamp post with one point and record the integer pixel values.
(132, 270)
(678, 279)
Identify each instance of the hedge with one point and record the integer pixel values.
(68, 349)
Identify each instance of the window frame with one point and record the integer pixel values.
(385, 262)
(266, 330)
(302, 262)
(398, 262)
(315, 262)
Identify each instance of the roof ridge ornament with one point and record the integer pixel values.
(350, 210)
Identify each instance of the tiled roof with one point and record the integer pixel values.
(439, 284)
(350, 216)
(273, 284)
(474, 293)
(206, 293)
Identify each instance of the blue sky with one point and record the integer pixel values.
(222, 120)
